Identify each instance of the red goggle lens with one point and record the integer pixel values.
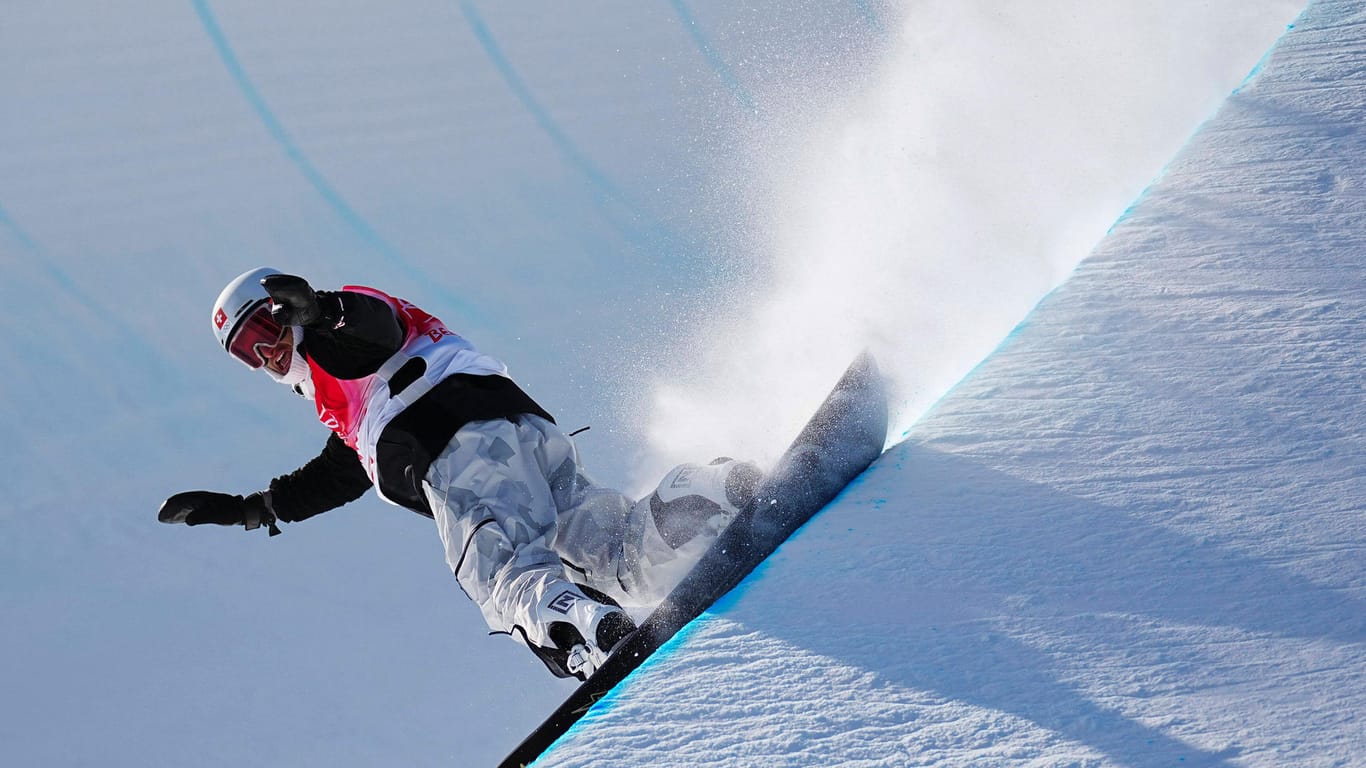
(256, 337)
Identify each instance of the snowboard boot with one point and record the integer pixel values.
(673, 527)
(692, 499)
(741, 482)
(582, 626)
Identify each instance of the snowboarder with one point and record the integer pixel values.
(438, 427)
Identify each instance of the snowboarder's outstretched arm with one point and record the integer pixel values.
(332, 479)
(349, 335)
(335, 477)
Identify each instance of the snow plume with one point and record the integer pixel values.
(923, 211)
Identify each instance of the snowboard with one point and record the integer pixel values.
(844, 436)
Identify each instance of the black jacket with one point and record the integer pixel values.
(354, 337)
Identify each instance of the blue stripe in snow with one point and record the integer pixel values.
(17, 231)
(713, 58)
(869, 14)
(607, 191)
(143, 355)
(278, 132)
(309, 171)
(519, 89)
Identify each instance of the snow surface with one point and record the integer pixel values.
(676, 221)
(1133, 536)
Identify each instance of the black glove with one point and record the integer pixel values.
(201, 507)
(293, 300)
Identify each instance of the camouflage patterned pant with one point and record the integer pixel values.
(521, 523)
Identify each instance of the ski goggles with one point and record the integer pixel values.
(256, 337)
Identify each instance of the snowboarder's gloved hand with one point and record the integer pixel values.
(293, 300)
(201, 507)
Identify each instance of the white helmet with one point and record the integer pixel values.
(243, 326)
(239, 301)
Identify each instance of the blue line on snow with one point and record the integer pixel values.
(1261, 63)
(17, 231)
(869, 14)
(54, 272)
(1162, 173)
(277, 130)
(523, 93)
(607, 191)
(305, 167)
(713, 58)
(151, 359)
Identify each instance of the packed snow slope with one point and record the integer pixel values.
(1133, 536)
(676, 221)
